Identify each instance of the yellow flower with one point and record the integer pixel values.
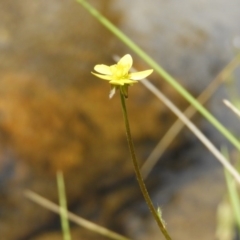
(118, 74)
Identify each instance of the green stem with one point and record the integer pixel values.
(63, 206)
(161, 72)
(232, 191)
(138, 173)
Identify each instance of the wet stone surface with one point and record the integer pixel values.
(54, 115)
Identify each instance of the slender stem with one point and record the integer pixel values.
(63, 206)
(138, 173)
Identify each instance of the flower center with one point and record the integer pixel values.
(119, 72)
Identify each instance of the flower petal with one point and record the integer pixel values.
(112, 92)
(140, 75)
(126, 60)
(129, 81)
(122, 82)
(117, 82)
(105, 77)
(103, 69)
(113, 69)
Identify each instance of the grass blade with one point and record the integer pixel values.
(72, 217)
(63, 206)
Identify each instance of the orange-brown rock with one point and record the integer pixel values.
(55, 116)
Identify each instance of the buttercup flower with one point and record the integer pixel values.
(118, 75)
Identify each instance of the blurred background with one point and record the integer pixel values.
(54, 115)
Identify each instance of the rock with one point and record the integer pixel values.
(54, 115)
(193, 40)
(191, 209)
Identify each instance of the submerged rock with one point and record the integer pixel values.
(54, 115)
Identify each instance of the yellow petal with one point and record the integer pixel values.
(113, 69)
(112, 92)
(140, 75)
(129, 81)
(103, 69)
(122, 82)
(116, 82)
(126, 60)
(105, 77)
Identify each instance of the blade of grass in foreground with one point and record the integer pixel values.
(63, 209)
(233, 192)
(175, 129)
(74, 218)
(161, 72)
(232, 107)
(193, 128)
